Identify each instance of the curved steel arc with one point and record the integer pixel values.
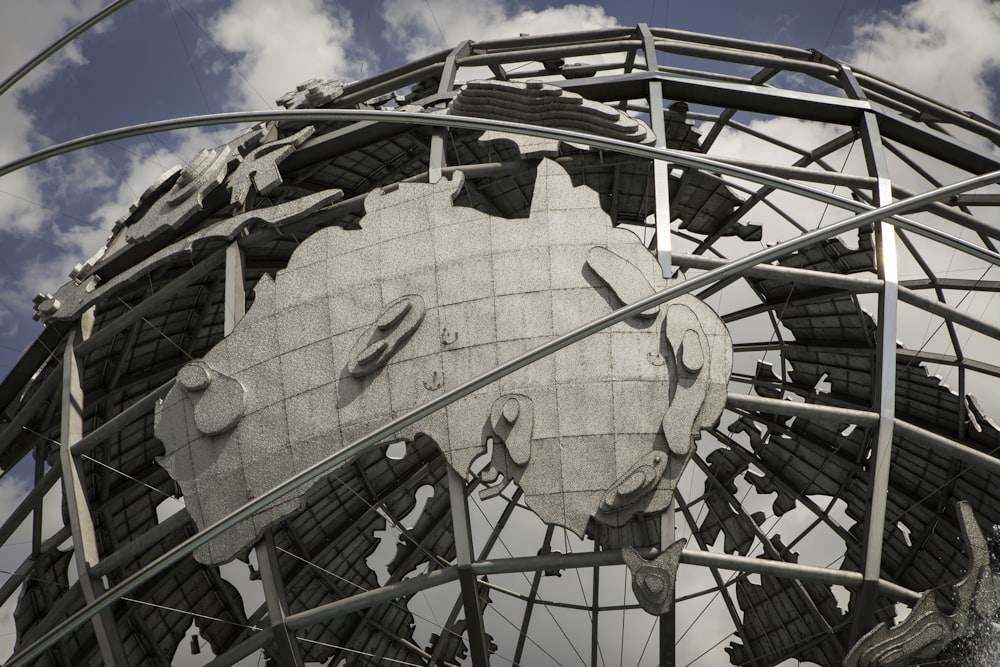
(29, 66)
(682, 158)
(354, 603)
(387, 430)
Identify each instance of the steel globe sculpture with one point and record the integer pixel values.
(618, 347)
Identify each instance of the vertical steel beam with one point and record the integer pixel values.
(416, 550)
(287, 647)
(529, 606)
(721, 585)
(773, 555)
(595, 596)
(879, 461)
(235, 307)
(85, 550)
(484, 553)
(171, 557)
(667, 623)
(661, 169)
(667, 633)
(236, 295)
(436, 161)
(466, 577)
(36, 513)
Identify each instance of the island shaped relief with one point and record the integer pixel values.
(364, 325)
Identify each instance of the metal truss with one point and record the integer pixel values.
(846, 415)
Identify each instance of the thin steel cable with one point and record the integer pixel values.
(729, 438)
(47, 208)
(127, 476)
(198, 24)
(6, 545)
(323, 569)
(197, 79)
(843, 167)
(576, 570)
(583, 592)
(144, 158)
(708, 604)
(871, 38)
(850, 548)
(759, 544)
(399, 531)
(430, 10)
(166, 146)
(100, 463)
(710, 649)
(174, 555)
(357, 652)
(285, 551)
(531, 639)
(648, 638)
(967, 293)
(887, 212)
(805, 640)
(51, 582)
(905, 512)
(155, 328)
(542, 600)
(393, 520)
(191, 613)
(434, 623)
(121, 172)
(833, 27)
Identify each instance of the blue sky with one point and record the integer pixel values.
(166, 58)
(158, 59)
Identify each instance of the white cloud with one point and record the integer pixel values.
(19, 191)
(283, 44)
(37, 25)
(804, 135)
(419, 27)
(26, 196)
(942, 49)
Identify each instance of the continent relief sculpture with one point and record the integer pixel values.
(366, 324)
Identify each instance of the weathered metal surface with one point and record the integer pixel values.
(549, 106)
(928, 630)
(824, 341)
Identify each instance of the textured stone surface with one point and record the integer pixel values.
(549, 106)
(427, 295)
(259, 167)
(180, 203)
(79, 294)
(653, 580)
(311, 94)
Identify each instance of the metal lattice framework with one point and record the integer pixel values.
(834, 433)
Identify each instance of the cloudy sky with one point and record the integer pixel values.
(156, 60)
(167, 58)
